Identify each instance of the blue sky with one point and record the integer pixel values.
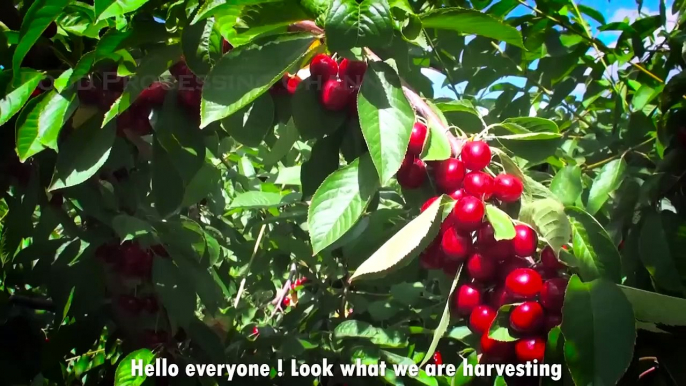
(613, 10)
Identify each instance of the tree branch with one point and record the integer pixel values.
(35, 303)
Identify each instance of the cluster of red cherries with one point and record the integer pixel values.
(133, 263)
(501, 271)
(340, 82)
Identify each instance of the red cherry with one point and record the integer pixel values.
(255, 331)
(150, 304)
(507, 188)
(179, 70)
(153, 95)
(292, 83)
(458, 194)
(525, 240)
(226, 46)
(37, 91)
(481, 267)
(500, 251)
(335, 95)
(481, 318)
(499, 297)
(546, 273)
(417, 139)
(530, 349)
(549, 260)
(476, 155)
(467, 298)
(553, 294)
(510, 265)
(565, 247)
(478, 184)
(287, 301)
(455, 245)
(428, 203)
(190, 99)
(432, 257)
(527, 317)
(134, 260)
(468, 213)
(130, 304)
(412, 173)
(620, 246)
(551, 320)
(524, 282)
(351, 72)
(449, 174)
(485, 235)
(323, 67)
(495, 351)
(438, 358)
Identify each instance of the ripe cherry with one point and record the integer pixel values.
(150, 304)
(546, 273)
(481, 267)
(134, 260)
(481, 318)
(549, 260)
(412, 173)
(499, 297)
(438, 358)
(476, 155)
(530, 349)
(130, 304)
(467, 298)
(255, 330)
(527, 317)
(485, 235)
(432, 257)
(449, 174)
(351, 72)
(292, 83)
(495, 351)
(428, 203)
(335, 95)
(553, 294)
(525, 240)
(323, 67)
(458, 194)
(287, 86)
(226, 46)
(455, 244)
(153, 95)
(507, 188)
(551, 320)
(510, 265)
(478, 184)
(417, 139)
(468, 213)
(287, 301)
(523, 282)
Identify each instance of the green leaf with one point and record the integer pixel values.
(600, 331)
(37, 18)
(460, 379)
(501, 222)
(444, 323)
(386, 119)
(40, 122)
(14, 98)
(105, 9)
(656, 308)
(123, 375)
(247, 72)
(202, 184)
(168, 186)
(76, 163)
(548, 218)
(405, 244)
(566, 184)
(656, 255)
(366, 23)
(340, 201)
(250, 125)
(500, 328)
(202, 46)
(467, 21)
(175, 288)
(361, 330)
(257, 200)
(311, 119)
(287, 137)
(129, 227)
(530, 136)
(596, 253)
(607, 181)
(323, 161)
(153, 64)
(531, 124)
(438, 146)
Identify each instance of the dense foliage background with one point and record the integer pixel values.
(212, 210)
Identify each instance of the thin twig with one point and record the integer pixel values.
(241, 288)
(283, 291)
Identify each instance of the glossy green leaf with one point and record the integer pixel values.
(548, 218)
(596, 253)
(124, 373)
(247, 72)
(256, 200)
(530, 124)
(38, 17)
(27, 133)
(437, 147)
(386, 119)
(76, 163)
(656, 308)
(287, 137)
(324, 160)
(606, 182)
(656, 255)
(202, 46)
(168, 186)
(468, 21)
(460, 379)
(251, 124)
(129, 227)
(501, 222)
(340, 201)
(311, 119)
(14, 98)
(530, 136)
(406, 244)
(106, 9)
(361, 330)
(500, 328)
(175, 288)
(600, 331)
(366, 23)
(566, 184)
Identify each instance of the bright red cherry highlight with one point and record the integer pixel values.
(525, 240)
(466, 299)
(417, 139)
(455, 245)
(481, 318)
(468, 213)
(335, 95)
(351, 72)
(478, 184)
(507, 188)
(481, 267)
(323, 67)
(449, 174)
(527, 317)
(412, 173)
(524, 282)
(553, 294)
(476, 155)
(530, 349)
